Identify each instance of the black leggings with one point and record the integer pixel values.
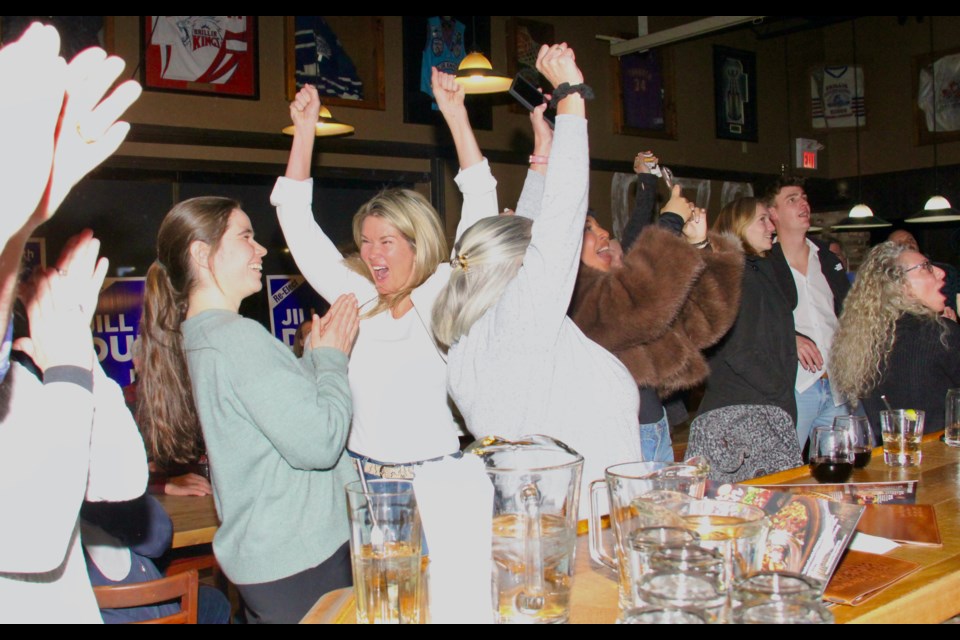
(287, 600)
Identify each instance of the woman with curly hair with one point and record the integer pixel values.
(893, 339)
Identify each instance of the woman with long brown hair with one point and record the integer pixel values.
(755, 363)
(275, 427)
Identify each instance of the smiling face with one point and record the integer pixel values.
(759, 233)
(791, 210)
(923, 280)
(596, 246)
(237, 265)
(388, 254)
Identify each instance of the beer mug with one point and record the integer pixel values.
(640, 494)
(536, 483)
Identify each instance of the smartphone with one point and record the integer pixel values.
(529, 96)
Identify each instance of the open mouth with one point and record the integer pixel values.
(257, 267)
(380, 274)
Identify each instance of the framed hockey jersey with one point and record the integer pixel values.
(201, 54)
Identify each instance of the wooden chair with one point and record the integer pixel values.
(182, 585)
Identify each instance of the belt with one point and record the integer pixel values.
(390, 471)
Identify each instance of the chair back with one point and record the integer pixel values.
(182, 586)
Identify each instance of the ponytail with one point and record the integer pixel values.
(166, 411)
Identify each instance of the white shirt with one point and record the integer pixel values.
(525, 367)
(814, 314)
(397, 374)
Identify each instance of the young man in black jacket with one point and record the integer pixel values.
(816, 284)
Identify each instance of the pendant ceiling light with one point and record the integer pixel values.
(860, 216)
(327, 126)
(476, 75)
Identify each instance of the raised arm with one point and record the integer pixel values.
(315, 254)
(643, 206)
(476, 182)
(545, 281)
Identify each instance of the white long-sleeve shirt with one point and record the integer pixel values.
(398, 376)
(59, 444)
(525, 367)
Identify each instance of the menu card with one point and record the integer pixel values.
(860, 576)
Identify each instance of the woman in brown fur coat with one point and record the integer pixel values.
(675, 292)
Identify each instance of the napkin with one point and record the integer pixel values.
(455, 500)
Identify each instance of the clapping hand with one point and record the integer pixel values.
(60, 305)
(89, 130)
(338, 328)
(34, 80)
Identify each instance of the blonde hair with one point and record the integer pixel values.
(735, 217)
(867, 331)
(487, 257)
(415, 218)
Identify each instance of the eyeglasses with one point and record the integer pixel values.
(926, 266)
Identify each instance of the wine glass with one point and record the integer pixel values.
(861, 436)
(831, 454)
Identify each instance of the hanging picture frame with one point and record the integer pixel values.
(643, 88)
(341, 55)
(735, 93)
(205, 55)
(937, 73)
(524, 39)
(441, 41)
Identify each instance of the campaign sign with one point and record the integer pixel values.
(34, 254)
(115, 325)
(291, 301)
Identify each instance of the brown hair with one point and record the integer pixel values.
(166, 411)
(774, 187)
(735, 217)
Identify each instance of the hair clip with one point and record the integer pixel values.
(460, 260)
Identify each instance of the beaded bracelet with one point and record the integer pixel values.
(565, 89)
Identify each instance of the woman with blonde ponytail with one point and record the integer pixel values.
(275, 427)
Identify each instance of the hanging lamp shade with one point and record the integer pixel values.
(861, 217)
(327, 126)
(937, 209)
(476, 75)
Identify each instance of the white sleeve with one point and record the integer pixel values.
(44, 461)
(479, 189)
(315, 254)
(118, 460)
(531, 198)
(534, 306)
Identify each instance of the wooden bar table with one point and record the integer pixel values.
(194, 519)
(929, 595)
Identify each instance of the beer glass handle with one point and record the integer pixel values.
(597, 552)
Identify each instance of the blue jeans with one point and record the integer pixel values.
(815, 408)
(655, 443)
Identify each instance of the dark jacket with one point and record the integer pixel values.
(756, 362)
(919, 371)
(830, 265)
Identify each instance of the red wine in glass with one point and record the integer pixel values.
(861, 457)
(831, 470)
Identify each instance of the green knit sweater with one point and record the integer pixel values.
(275, 429)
